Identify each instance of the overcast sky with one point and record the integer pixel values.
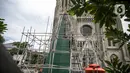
(20, 13)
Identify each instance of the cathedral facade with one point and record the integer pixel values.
(85, 41)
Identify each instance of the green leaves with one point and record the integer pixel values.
(117, 36)
(73, 1)
(1, 39)
(127, 13)
(128, 45)
(116, 66)
(128, 28)
(34, 58)
(78, 8)
(3, 28)
(120, 65)
(21, 45)
(101, 9)
(103, 12)
(74, 10)
(109, 63)
(127, 19)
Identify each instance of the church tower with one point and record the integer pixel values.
(78, 42)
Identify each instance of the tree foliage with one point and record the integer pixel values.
(1, 39)
(3, 28)
(128, 45)
(103, 12)
(117, 36)
(34, 58)
(15, 51)
(116, 66)
(20, 47)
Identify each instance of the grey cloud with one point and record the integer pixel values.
(17, 19)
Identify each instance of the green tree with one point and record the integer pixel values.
(103, 12)
(3, 28)
(128, 45)
(116, 66)
(21, 44)
(34, 58)
(13, 51)
(20, 47)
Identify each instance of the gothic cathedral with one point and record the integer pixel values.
(78, 42)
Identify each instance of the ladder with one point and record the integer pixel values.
(83, 53)
(76, 61)
(89, 51)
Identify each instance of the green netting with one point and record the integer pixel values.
(60, 71)
(55, 71)
(60, 59)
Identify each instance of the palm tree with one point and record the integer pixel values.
(3, 28)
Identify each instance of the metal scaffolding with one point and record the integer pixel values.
(59, 51)
(69, 55)
(38, 44)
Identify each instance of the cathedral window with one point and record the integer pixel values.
(62, 4)
(66, 3)
(114, 44)
(113, 56)
(111, 43)
(86, 30)
(80, 43)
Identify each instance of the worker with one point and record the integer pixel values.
(40, 70)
